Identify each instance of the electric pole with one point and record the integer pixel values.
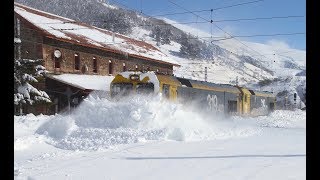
(205, 74)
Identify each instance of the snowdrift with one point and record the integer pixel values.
(101, 123)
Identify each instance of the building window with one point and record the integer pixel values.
(56, 62)
(136, 67)
(57, 58)
(76, 62)
(124, 68)
(95, 65)
(110, 67)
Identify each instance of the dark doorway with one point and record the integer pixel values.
(232, 107)
(165, 90)
(271, 107)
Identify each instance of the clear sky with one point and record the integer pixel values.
(259, 9)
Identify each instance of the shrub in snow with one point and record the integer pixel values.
(161, 35)
(265, 82)
(26, 72)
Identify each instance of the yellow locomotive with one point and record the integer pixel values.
(211, 97)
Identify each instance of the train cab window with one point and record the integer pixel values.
(121, 89)
(165, 90)
(145, 88)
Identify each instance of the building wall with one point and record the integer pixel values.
(34, 45)
(31, 40)
(67, 60)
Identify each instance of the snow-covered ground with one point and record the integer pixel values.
(150, 138)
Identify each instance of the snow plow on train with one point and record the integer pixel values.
(223, 99)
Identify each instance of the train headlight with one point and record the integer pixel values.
(134, 77)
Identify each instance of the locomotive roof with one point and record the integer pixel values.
(208, 85)
(262, 93)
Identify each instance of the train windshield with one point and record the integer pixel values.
(121, 89)
(145, 88)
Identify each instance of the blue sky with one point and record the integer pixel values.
(261, 9)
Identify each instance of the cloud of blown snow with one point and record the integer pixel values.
(102, 123)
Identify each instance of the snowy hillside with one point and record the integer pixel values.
(144, 139)
(227, 61)
(237, 63)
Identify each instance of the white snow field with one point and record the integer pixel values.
(149, 138)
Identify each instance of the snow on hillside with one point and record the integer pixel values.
(235, 65)
(224, 69)
(284, 88)
(103, 139)
(109, 6)
(274, 55)
(219, 69)
(278, 58)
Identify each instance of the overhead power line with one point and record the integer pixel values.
(258, 18)
(215, 38)
(240, 4)
(207, 10)
(170, 14)
(278, 34)
(211, 21)
(113, 43)
(191, 22)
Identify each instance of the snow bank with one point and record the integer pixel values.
(24, 125)
(278, 119)
(285, 119)
(58, 127)
(101, 123)
(24, 128)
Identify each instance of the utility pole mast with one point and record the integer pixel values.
(205, 74)
(237, 81)
(295, 99)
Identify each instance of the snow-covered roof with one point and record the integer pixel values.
(68, 30)
(91, 82)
